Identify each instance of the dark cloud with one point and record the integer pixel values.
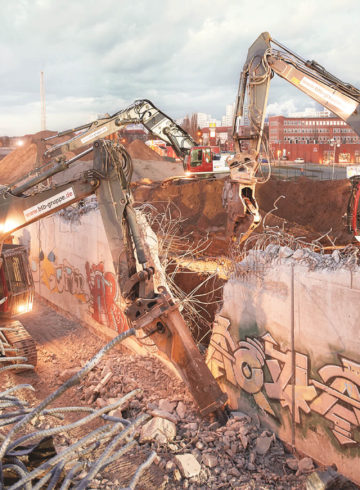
(99, 56)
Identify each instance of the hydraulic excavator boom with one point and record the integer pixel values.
(265, 58)
(155, 312)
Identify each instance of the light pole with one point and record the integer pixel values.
(335, 145)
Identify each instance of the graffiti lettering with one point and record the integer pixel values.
(104, 293)
(64, 277)
(243, 365)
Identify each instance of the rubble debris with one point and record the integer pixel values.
(157, 412)
(263, 444)
(292, 463)
(210, 460)
(74, 212)
(188, 465)
(24, 461)
(167, 405)
(158, 429)
(181, 410)
(259, 258)
(305, 465)
(227, 456)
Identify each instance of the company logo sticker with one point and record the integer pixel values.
(94, 135)
(49, 204)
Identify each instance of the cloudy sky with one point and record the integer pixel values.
(100, 55)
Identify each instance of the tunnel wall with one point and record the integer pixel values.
(286, 347)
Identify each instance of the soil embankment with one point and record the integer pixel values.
(308, 209)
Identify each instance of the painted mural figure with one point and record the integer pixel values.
(104, 293)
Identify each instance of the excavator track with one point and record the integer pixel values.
(21, 342)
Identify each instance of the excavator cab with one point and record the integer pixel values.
(16, 298)
(16, 282)
(200, 160)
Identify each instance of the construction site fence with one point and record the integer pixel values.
(291, 171)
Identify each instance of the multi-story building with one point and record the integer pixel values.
(203, 119)
(218, 136)
(315, 139)
(227, 120)
(311, 112)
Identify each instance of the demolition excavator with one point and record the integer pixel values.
(152, 310)
(196, 159)
(265, 58)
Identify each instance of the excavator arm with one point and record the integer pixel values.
(140, 112)
(155, 312)
(265, 58)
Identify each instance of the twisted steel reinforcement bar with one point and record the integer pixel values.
(105, 443)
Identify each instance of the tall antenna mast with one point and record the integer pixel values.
(42, 96)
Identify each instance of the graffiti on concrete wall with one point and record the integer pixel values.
(104, 293)
(98, 289)
(335, 395)
(63, 277)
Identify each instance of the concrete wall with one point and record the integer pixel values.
(286, 346)
(73, 269)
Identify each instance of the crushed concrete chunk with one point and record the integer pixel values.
(170, 467)
(298, 254)
(209, 460)
(263, 444)
(336, 256)
(163, 414)
(292, 463)
(244, 440)
(181, 410)
(177, 475)
(188, 465)
(68, 373)
(240, 416)
(167, 405)
(158, 429)
(285, 252)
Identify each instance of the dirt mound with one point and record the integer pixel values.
(138, 149)
(316, 205)
(309, 209)
(18, 163)
(196, 203)
(31, 155)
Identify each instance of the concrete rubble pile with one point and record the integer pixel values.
(191, 452)
(177, 448)
(37, 448)
(346, 258)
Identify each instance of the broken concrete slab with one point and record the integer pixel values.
(158, 429)
(188, 465)
(210, 460)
